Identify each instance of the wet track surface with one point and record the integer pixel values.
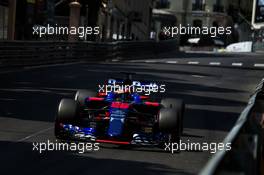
(28, 98)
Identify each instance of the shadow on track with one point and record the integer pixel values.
(18, 158)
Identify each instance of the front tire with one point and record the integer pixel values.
(67, 112)
(178, 105)
(169, 123)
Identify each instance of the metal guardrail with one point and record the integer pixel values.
(17, 53)
(247, 154)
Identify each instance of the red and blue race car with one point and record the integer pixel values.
(119, 117)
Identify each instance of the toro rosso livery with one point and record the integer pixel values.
(119, 118)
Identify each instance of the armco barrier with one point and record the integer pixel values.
(17, 53)
(246, 137)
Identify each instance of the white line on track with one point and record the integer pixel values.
(150, 61)
(215, 63)
(171, 62)
(237, 64)
(35, 134)
(258, 65)
(193, 62)
(197, 76)
(51, 65)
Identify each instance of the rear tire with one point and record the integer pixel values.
(82, 94)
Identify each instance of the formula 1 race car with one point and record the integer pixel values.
(122, 118)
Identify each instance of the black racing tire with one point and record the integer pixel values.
(168, 119)
(178, 105)
(82, 94)
(171, 102)
(169, 122)
(67, 112)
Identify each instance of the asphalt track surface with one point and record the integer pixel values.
(29, 97)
